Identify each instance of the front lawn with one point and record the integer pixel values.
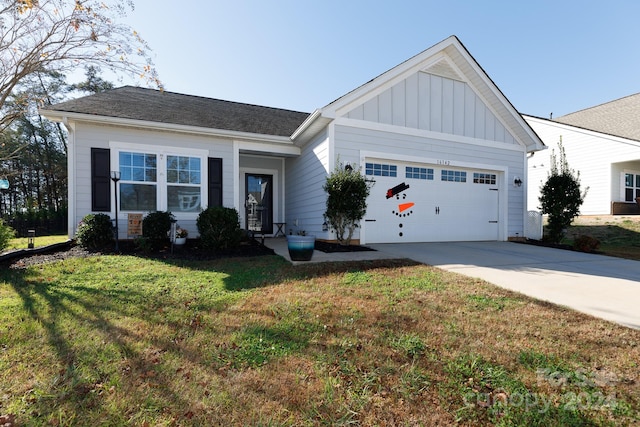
(38, 241)
(123, 340)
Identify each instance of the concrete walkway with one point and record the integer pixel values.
(605, 287)
(279, 246)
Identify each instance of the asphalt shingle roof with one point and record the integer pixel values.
(137, 103)
(620, 117)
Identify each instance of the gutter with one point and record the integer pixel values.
(306, 124)
(65, 117)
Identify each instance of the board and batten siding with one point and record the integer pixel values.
(434, 103)
(305, 177)
(89, 136)
(351, 141)
(600, 159)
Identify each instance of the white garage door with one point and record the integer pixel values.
(430, 203)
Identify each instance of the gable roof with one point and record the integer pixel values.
(620, 117)
(450, 59)
(149, 105)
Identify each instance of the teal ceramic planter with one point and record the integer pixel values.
(301, 247)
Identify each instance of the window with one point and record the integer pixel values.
(484, 178)
(453, 176)
(377, 169)
(183, 179)
(419, 173)
(631, 186)
(152, 180)
(138, 174)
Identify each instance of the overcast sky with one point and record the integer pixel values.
(546, 56)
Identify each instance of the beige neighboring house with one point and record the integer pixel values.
(603, 144)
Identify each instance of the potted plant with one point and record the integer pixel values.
(181, 236)
(301, 246)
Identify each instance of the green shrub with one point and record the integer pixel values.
(560, 196)
(6, 233)
(347, 191)
(219, 228)
(95, 232)
(156, 227)
(143, 244)
(586, 244)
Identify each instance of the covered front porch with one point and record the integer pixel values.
(260, 193)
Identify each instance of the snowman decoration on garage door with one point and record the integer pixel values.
(403, 208)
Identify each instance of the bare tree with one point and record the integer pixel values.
(64, 35)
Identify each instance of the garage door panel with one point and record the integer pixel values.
(409, 209)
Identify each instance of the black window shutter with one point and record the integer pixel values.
(215, 181)
(100, 180)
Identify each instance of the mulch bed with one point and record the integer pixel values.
(190, 251)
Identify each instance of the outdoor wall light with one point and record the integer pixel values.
(517, 182)
(348, 167)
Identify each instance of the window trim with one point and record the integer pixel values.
(482, 178)
(161, 172)
(623, 184)
(417, 173)
(448, 173)
(386, 169)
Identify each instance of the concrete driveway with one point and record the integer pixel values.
(601, 286)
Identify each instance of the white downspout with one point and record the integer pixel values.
(71, 178)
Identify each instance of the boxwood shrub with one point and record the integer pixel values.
(219, 228)
(155, 229)
(95, 232)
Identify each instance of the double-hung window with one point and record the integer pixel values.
(184, 178)
(163, 179)
(138, 185)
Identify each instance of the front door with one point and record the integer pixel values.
(259, 203)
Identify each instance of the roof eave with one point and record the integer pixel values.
(310, 127)
(64, 116)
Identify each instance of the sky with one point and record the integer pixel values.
(545, 56)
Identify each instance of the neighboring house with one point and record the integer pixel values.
(603, 144)
(440, 141)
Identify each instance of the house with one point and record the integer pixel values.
(442, 146)
(603, 144)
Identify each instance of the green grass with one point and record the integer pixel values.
(124, 340)
(39, 241)
(619, 236)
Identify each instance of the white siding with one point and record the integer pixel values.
(96, 136)
(429, 102)
(598, 157)
(305, 176)
(351, 142)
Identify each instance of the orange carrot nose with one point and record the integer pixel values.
(404, 206)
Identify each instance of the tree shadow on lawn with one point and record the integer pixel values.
(255, 272)
(76, 387)
(117, 334)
